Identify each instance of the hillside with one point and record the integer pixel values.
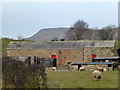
(5, 43)
(48, 34)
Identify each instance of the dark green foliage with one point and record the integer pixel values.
(17, 75)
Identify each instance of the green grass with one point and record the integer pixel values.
(75, 79)
(5, 43)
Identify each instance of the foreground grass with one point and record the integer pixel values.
(75, 79)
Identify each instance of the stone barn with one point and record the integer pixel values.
(61, 52)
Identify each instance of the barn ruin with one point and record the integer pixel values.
(61, 52)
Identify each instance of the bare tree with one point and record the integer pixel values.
(76, 32)
(94, 35)
(20, 37)
(108, 32)
(70, 35)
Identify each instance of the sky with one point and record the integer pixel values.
(27, 18)
(119, 14)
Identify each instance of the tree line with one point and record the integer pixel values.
(80, 31)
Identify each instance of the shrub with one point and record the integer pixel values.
(17, 75)
(32, 76)
(9, 68)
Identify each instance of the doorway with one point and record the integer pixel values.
(54, 62)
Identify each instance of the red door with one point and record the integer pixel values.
(53, 56)
(54, 62)
(93, 55)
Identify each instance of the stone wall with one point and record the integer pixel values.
(100, 52)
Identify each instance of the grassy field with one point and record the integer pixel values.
(75, 79)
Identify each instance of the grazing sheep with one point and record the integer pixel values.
(100, 69)
(92, 69)
(82, 69)
(118, 68)
(54, 68)
(104, 69)
(97, 75)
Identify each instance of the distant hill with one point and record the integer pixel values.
(48, 34)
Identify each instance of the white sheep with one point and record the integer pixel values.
(97, 75)
(104, 69)
(100, 69)
(118, 68)
(54, 68)
(92, 69)
(82, 69)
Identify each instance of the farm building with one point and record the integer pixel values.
(61, 52)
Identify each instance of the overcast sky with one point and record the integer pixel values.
(27, 18)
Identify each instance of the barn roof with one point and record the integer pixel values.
(60, 44)
(96, 63)
(92, 63)
(106, 58)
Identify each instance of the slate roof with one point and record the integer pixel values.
(92, 63)
(106, 58)
(60, 44)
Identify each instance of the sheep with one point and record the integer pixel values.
(82, 69)
(100, 69)
(97, 75)
(92, 69)
(104, 69)
(118, 68)
(54, 68)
